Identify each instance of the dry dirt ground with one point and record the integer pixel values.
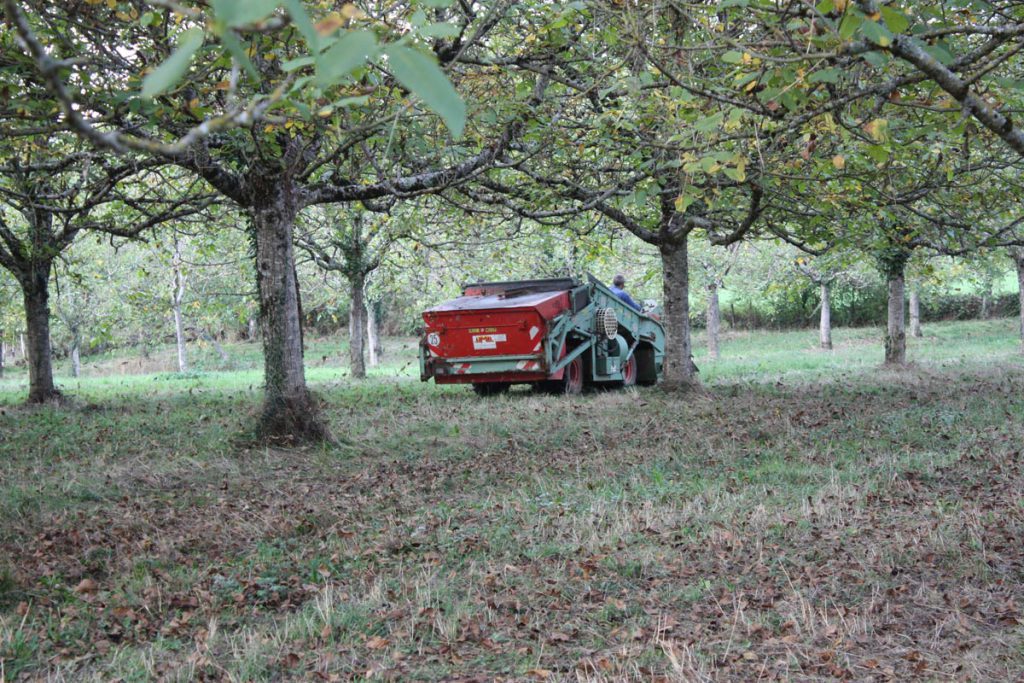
(866, 528)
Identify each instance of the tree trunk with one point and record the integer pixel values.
(289, 413)
(680, 372)
(36, 291)
(896, 331)
(825, 326)
(915, 314)
(177, 296)
(373, 343)
(984, 307)
(3, 349)
(76, 357)
(21, 343)
(179, 336)
(1019, 259)
(250, 330)
(357, 327)
(714, 320)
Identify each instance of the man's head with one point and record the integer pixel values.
(619, 281)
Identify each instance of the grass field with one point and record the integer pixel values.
(807, 515)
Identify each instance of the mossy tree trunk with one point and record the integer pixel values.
(35, 284)
(289, 412)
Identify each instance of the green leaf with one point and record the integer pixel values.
(895, 19)
(851, 22)
(876, 33)
(825, 76)
(237, 50)
(733, 57)
(352, 50)
(876, 59)
(878, 153)
(167, 75)
(826, 6)
(293, 64)
(737, 174)
(303, 23)
(939, 52)
(440, 30)
(420, 74)
(710, 123)
(242, 12)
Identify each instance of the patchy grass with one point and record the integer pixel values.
(808, 515)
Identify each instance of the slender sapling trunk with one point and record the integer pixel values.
(373, 343)
(825, 326)
(76, 357)
(915, 314)
(357, 327)
(1019, 260)
(714, 320)
(177, 296)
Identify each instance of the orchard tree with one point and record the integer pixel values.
(716, 264)
(50, 192)
(1017, 257)
(646, 132)
(353, 243)
(281, 106)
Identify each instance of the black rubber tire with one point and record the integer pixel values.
(491, 388)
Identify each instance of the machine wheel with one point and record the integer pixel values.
(490, 388)
(572, 379)
(629, 372)
(571, 383)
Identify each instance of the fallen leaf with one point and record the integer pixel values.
(377, 643)
(86, 586)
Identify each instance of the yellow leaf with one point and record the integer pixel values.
(877, 129)
(839, 161)
(329, 24)
(111, 4)
(350, 11)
